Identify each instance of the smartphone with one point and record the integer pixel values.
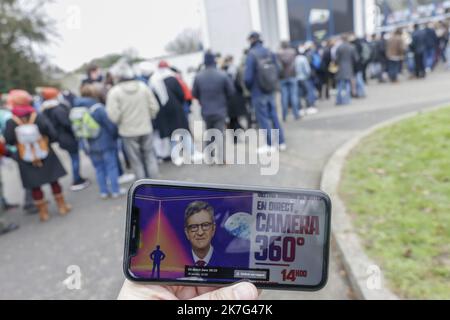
(214, 235)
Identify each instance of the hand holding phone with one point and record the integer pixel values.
(187, 234)
(138, 291)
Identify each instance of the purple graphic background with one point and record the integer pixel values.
(225, 204)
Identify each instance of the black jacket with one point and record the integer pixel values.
(358, 61)
(58, 114)
(236, 102)
(171, 116)
(419, 41)
(51, 170)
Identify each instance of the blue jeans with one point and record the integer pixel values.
(430, 55)
(75, 158)
(447, 56)
(119, 164)
(360, 85)
(187, 109)
(306, 90)
(344, 95)
(106, 170)
(266, 115)
(393, 69)
(411, 63)
(289, 94)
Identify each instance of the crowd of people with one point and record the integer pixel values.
(120, 118)
(347, 62)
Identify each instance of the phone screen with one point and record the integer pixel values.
(219, 235)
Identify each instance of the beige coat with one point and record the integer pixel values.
(132, 106)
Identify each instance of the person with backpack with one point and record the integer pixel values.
(131, 105)
(288, 83)
(58, 114)
(313, 84)
(6, 114)
(33, 134)
(99, 137)
(261, 78)
(124, 177)
(303, 73)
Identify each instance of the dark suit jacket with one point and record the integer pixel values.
(218, 259)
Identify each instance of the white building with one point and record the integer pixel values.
(227, 23)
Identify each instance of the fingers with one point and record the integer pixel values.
(240, 291)
(185, 293)
(203, 290)
(136, 291)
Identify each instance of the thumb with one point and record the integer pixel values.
(240, 291)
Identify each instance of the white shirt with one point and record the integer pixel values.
(207, 258)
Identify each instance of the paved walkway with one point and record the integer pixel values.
(34, 259)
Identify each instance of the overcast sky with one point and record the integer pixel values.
(93, 28)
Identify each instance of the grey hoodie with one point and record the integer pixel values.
(132, 106)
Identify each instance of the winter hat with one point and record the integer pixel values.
(163, 64)
(302, 49)
(48, 93)
(122, 70)
(147, 68)
(210, 59)
(19, 98)
(254, 36)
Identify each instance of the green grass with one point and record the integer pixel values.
(396, 186)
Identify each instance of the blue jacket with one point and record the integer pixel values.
(432, 40)
(250, 77)
(107, 139)
(419, 40)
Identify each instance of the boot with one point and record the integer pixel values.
(63, 207)
(42, 207)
